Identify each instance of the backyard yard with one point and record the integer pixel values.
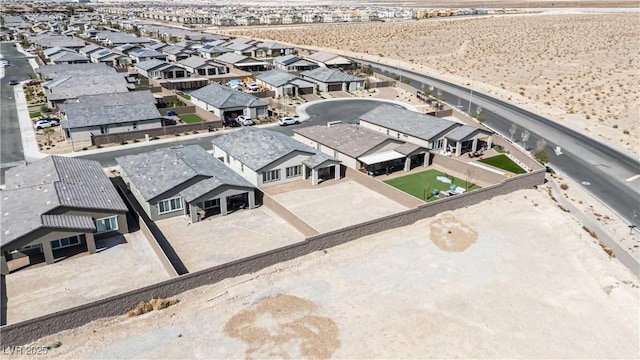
(421, 184)
(190, 118)
(503, 162)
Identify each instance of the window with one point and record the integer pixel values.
(208, 204)
(66, 242)
(169, 205)
(437, 144)
(294, 171)
(106, 224)
(269, 176)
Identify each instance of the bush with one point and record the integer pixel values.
(153, 304)
(564, 186)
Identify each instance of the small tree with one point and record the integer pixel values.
(367, 84)
(187, 37)
(48, 131)
(540, 154)
(469, 179)
(525, 137)
(477, 114)
(512, 130)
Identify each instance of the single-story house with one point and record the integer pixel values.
(141, 55)
(127, 48)
(109, 57)
(333, 79)
(57, 202)
(209, 51)
(47, 72)
(199, 65)
(68, 57)
(160, 69)
(227, 102)
(329, 60)
(89, 49)
(47, 40)
(293, 63)
(184, 180)
(246, 49)
(176, 53)
(274, 49)
(120, 38)
(157, 46)
(266, 158)
(361, 148)
(241, 62)
(430, 132)
(285, 84)
(64, 88)
(109, 113)
(55, 50)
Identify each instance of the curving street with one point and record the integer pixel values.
(599, 169)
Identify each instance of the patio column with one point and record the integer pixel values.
(4, 270)
(446, 145)
(48, 253)
(407, 163)
(193, 211)
(314, 177)
(474, 146)
(458, 148)
(252, 199)
(337, 174)
(223, 206)
(489, 142)
(425, 162)
(91, 243)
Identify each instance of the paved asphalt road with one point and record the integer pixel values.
(10, 140)
(599, 169)
(319, 114)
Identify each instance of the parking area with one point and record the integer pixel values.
(340, 204)
(222, 239)
(121, 264)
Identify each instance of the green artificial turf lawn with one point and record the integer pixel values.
(503, 162)
(415, 184)
(190, 118)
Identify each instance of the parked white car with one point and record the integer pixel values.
(45, 123)
(287, 120)
(245, 120)
(252, 86)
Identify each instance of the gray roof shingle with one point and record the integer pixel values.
(34, 190)
(53, 71)
(327, 75)
(67, 56)
(462, 132)
(156, 172)
(222, 97)
(351, 140)
(409, 122)
(257, 148)
(70, 87)
(104, 109)
(276, 78)
(231, 58)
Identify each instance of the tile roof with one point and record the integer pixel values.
(156, 172)
(90, 48)
(143, 53)
(276, 78)
(151, 64)
(327, 75)
(461, 132)
(223, 97)
(322, 56)
(349, 139)
(319, 159)
(286, 59)
(231, 58)
(196, 62)
(94, 110)
(68, 56)
(257, 148)
(214, 49)
(34, 190)
(408, 122)
(70, 87)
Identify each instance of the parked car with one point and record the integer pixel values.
(231, 122)
(45, 123)
(245, 120)
(13, 82)
(252, 86)
(287, 120)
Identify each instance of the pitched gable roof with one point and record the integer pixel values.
(409, 122)
(222, 97)
(327, 75)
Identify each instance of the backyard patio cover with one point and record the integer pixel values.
(381, 157)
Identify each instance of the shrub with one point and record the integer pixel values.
(626, 132)
(153, 304)
(564, 186)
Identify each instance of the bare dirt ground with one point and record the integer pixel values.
(579, 69)
(479, 282)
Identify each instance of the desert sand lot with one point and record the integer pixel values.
(582, 70)
(221, 239)
(479, 282)
(337, 206)
(120, 265)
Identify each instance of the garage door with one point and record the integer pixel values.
(305, 91)
(335, 87)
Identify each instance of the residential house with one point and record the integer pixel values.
(329, 60)
(47, 41)
(89, 49)
(57, 202)
(293, 63)
(225, 102)
(446, 136)
(184, 180)
(108, 114)
(362, 148)
(158, 46)
(246, 49)
(285, 84)
(141, 55)
(200, 66)
(159, 69)
(177, 53)
(242, 62)
(267, 158)
(55, 50)
(68, 57)
(274, 49)
(109, 57)
(120, 38)
(127, 48)
(69, 87)
(48, 72)
(210, 52)
(333, 79)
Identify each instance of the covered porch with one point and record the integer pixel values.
(321, 167)
(219, 202)
(467, 139)
(405, 157)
